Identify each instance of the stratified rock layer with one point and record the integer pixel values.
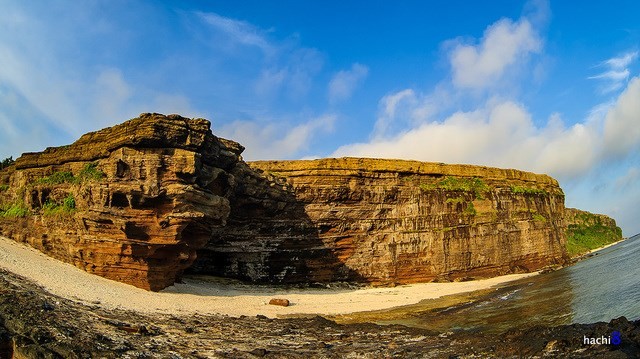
(385, 222)
(138, 202)
(131, 203)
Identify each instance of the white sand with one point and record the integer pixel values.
(201, 296)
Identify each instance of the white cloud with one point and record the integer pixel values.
(112, 92)
(617, 73)
(503, 45)
(273, 140)
(239, 31)
(61, 82)
(622, 61)
(622, 122)
(502, 133)
(389, 106)
(344, 82)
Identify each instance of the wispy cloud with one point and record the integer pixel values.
(629, 179)
(60, 82)
(277, 140)
(344, 82)
(616, 72)
(240, 31)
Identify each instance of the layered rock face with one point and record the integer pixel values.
(385, 222)
(130, 203)
(579, 217)
(139, 202)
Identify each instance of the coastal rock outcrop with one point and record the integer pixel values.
(385, 222)
(587, 231)
(130, 203)
(145, 200)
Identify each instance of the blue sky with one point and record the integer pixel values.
(546, 87)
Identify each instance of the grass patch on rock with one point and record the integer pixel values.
(581, 238)
(68, 206)
(527, 190)
(89, 173)
(14, 210)
(475, 185)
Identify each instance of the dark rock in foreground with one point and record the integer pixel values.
(74, 330)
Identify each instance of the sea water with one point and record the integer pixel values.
(600, 288)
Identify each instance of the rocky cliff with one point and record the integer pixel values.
(139, 202)
(587, 231)
(131, 203)
(385, 222)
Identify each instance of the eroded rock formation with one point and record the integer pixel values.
(385, 222)
(131, 203)
(139, 202)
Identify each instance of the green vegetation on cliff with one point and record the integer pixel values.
(587, 231)
(6, 162)
(527, 190)
(13, 210)
(67, 206)
(475, 185)
(88, 173)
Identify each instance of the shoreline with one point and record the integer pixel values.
(208, 295)
(595, 250)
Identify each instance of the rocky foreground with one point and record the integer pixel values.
(36, 324)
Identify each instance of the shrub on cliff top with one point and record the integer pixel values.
(527, 190)
(475, 185)
(6, 162)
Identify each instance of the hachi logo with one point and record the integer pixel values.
(614, 339)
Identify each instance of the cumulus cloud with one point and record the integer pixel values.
(344, 82)
(622, 125)
(275, 140)
(503, 45)
(616, 71)
(502, 133)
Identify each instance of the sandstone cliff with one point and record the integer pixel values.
(385, 222)
(139, 202)
(131, 203)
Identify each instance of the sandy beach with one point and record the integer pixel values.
(203, 296)
(605, 246)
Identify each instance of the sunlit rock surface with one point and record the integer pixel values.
(146, 194)
(385, 222)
